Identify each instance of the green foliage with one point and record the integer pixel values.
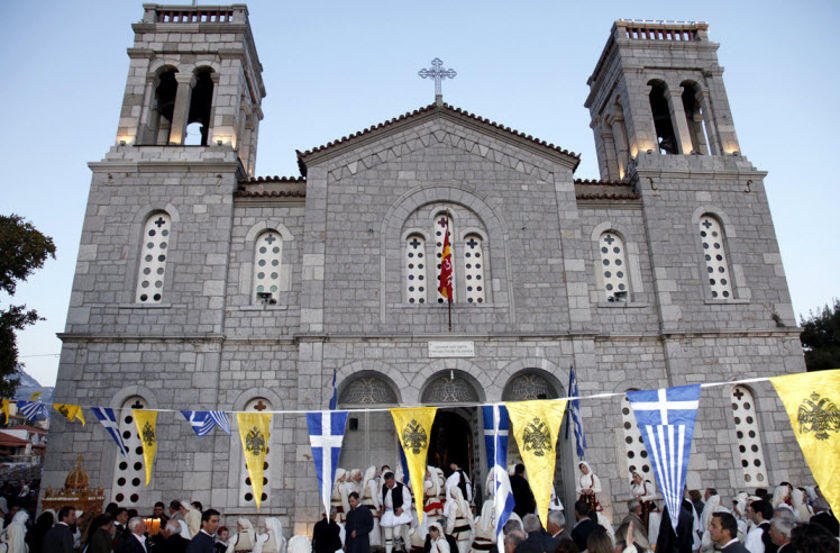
(820, 338)
(23, 249)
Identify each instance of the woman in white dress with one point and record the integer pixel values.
(589, 486)
(246, 536)
(459, 520)
(337, 502)
(16, 533)
(801, 509)
(484, 530)
(644, 491)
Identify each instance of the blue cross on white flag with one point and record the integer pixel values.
(32, 410)
(203, 422)
(108, 418)
(666, 421)
(496, 426)
(574, 411)
(326, 432)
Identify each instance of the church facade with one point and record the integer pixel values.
(201, 286)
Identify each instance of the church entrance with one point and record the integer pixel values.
(451, 441)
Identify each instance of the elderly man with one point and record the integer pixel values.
(135, 541)
(780, 530)
(513, 540)
(538, 540)
(723, 530)
(171, 539)
(557, 526)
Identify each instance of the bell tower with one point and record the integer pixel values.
(658, 89)
(194, 80)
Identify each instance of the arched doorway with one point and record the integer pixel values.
(448, 444)
(369, 438)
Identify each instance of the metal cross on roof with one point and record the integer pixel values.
(438, 73)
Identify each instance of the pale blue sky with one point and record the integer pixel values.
(332, 68)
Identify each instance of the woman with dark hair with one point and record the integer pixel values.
(599, 541)
(35, 536)
(812, 538)
(101, 537)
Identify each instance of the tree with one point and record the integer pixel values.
(23, 249)
(820, 338)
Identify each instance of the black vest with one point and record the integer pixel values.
(769, 546)
(396, 495)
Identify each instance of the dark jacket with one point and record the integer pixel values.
(581, 531)
(100, 542)
(58, 539)
(769, 546)
(523, 498)
(176, 543)
(683, 541)
(359, 519)
(538, 542)
(326, 536)
(735, 547)
(201, 543)
(130, 544)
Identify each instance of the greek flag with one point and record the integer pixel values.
(496, 425)
(666, 421)
(108, 418)
(203, 422)
(574, 411)
(32, 410)
(326, 432)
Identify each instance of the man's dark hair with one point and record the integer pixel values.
(197, 505)
(64, 512)
(205, 516)
(353, 495)
(383, 467)
(763, 507)
(519, 469)
(388, 475)
(160, 504)
(727, 522)
(582, 508)
(111, 509)
(99, 521)
(119, 511)
(813, 538)
(132, 513)
(711, 491)
(761, 492)
(175, 504)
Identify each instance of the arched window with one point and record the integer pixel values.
(369, 432)
(201, 102)
(474, 268)
(246, 493)
(160, 123)
(634, 446)
(666, 138)
(268, 251)
(153, 254)
(415, 269)
(749, 444)
(714, 251)
(442, 223)
(129, 474)
(695, 117)
(528, 385)
(614, 267)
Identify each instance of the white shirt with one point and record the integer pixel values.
(753, 541)
(452, 482)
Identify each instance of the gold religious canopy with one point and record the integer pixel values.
(76, 492)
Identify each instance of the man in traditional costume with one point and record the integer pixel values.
(432, 506)
(458, 479)
(396, 513)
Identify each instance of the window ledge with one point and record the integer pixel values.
(145, 306)
(622, 304)
(274, 307)
(734, 301)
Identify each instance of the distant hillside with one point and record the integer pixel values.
(29, 385)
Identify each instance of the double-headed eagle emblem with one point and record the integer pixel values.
(414, 437)
(536, 437)
(255, 441)
(148, 435)
(820, 415)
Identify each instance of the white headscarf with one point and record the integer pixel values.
(800, 508)
(780, 494)
(485, 522)
(711, 504)
(251, 535)
(16, 532)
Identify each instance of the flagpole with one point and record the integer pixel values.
(568, 421)
(449, 308)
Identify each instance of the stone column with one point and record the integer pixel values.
(621, 149)
(680, 123)
(711, 126)
(211, 139)
(186, 81)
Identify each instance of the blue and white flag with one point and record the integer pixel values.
(574, 411)
(203, 422)
(326, 432)
(334, 398)
(666, 421)
(496, 426)
(108, 418)
(32, 410)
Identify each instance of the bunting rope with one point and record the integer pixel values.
(447, 405)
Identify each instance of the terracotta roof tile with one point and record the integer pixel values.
(592, 189)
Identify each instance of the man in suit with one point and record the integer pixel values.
(538, 540)
(59, 538)
(326, 536)
(723, 529)
(203, 541)
(781, 528)
(135, 541)
(171, 540)
(584, 526)
(523, 497)
(358, 525)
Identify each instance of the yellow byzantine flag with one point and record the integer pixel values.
(35, 396)
(536, 426)
(812, 401)
(146, 422)
(70, 411)
(255, 432)
(5, 409)
(414, 428)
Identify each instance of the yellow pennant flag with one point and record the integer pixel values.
(255, 432)
(812, 401)
(5, 409)
(35, 396)
(146, 421)
(536, 425)
(414, 428)
(70, 411)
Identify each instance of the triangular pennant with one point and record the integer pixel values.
(812, 401)
(666, 421)
(536, 426)
(146, 422)
(71, 412)
(108, 419)
(5, 408)
(496, 426)
(32, 410)
(255, 434)
(414, 429)
(326, 433)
